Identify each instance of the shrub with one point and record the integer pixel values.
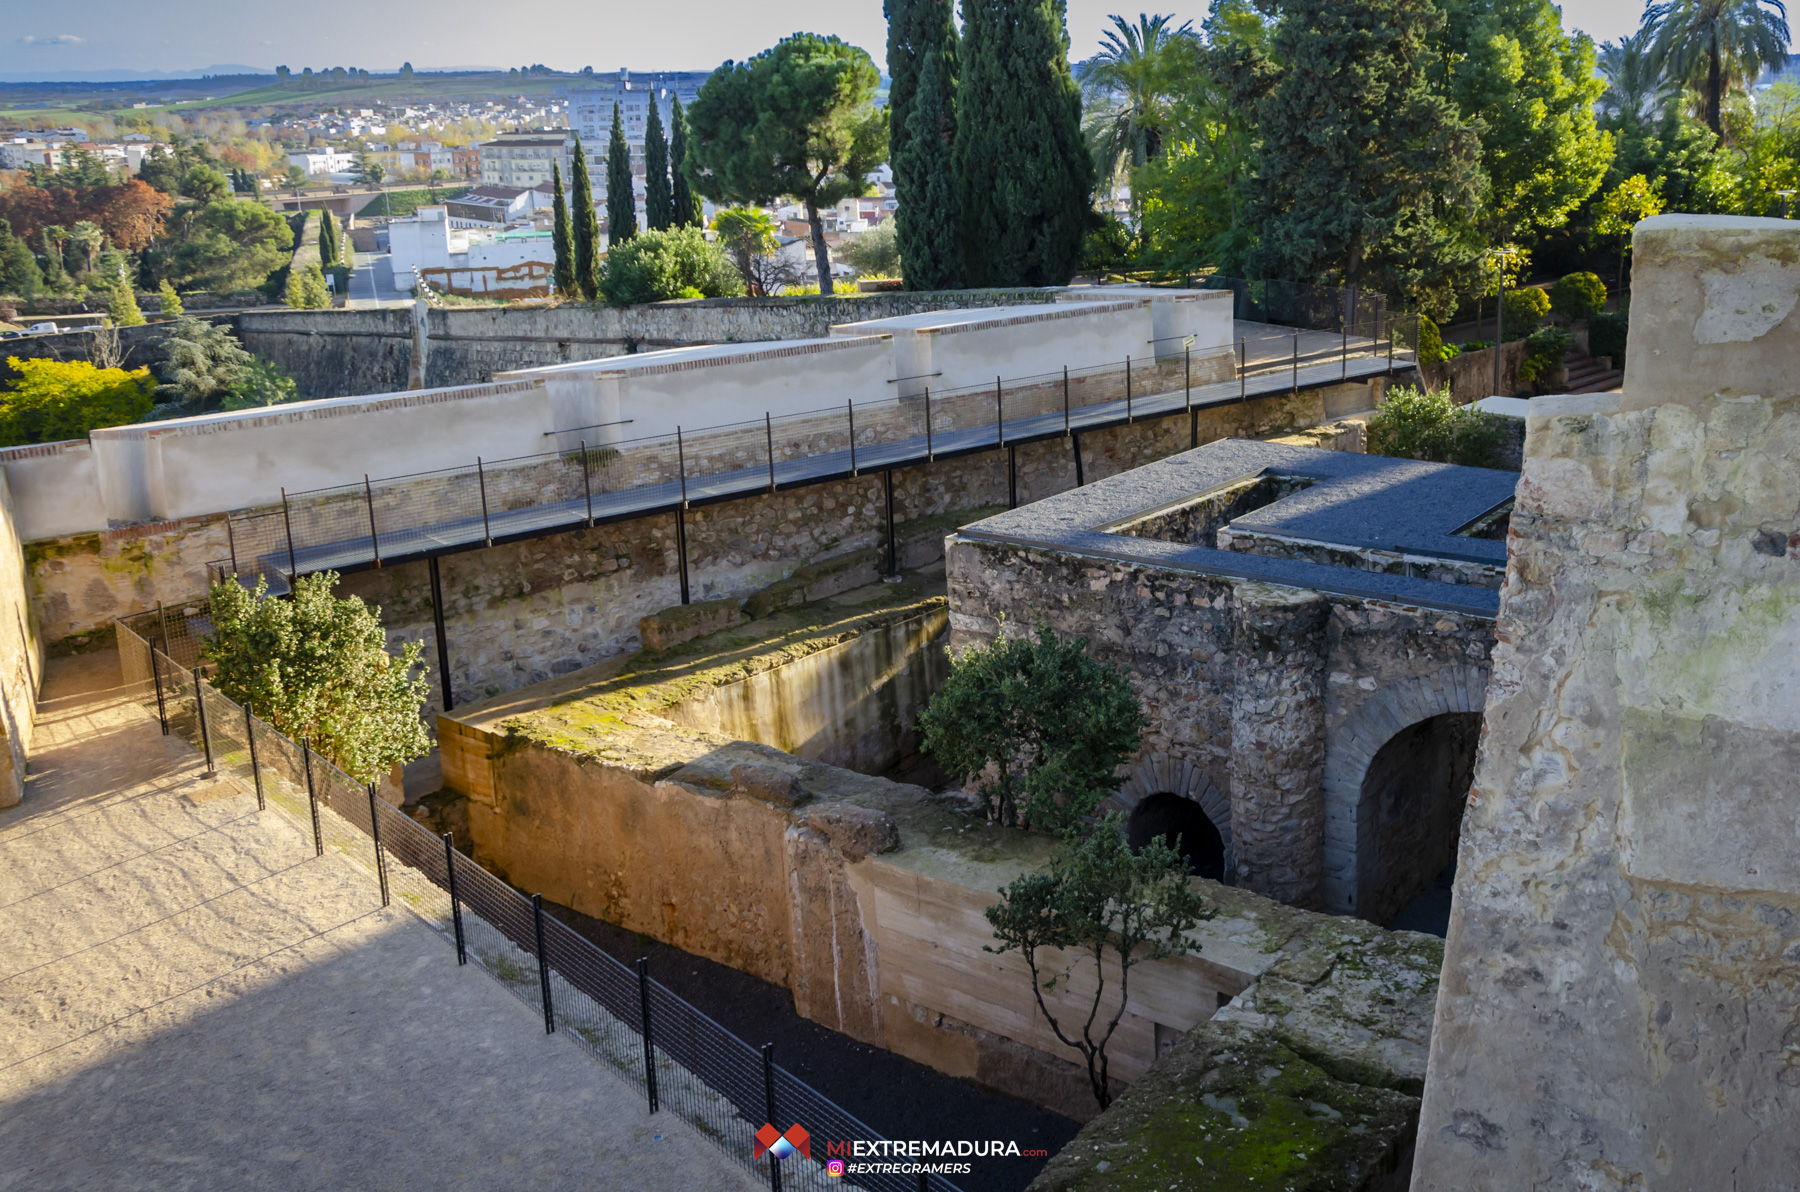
(123, 307)
(1578, 296)
(260, 383)
(1525, 309)
(1431, 342)
(316, 668)
(1545, 350)
(1606, 335)
(658, 265)
(201, 364)
(875, 253)
(65, 399)
(1039, 727)
(1425, 424)
(1109, 247)
(168, 302)
(306, 289)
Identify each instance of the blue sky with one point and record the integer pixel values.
(170, 35)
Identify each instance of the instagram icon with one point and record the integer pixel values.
(834, 1167)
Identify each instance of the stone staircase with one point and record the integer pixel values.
(1590, 374)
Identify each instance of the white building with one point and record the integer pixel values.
(511, 264)
(323, 161)
(523, 159)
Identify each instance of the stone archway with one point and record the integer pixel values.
(1163, 774)
(1351, 822)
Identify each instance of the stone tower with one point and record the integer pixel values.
(1620, 1005)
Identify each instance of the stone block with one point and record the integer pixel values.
(685, 622)
(854, 831)
(816, 581)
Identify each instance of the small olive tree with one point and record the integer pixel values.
(1097, 898)
(1039, 727)
(316, 668)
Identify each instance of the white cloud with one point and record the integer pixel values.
(58, 39)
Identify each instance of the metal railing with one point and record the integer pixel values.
(419, 515)
(685, 1062)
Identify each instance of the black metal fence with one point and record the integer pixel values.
(1297, 304)
(1334, 335)
(685, 1062)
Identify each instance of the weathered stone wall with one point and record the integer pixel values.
(1383, 562)
(1621, 986)
(335, 353)
(1470, 376)
(21, 659)
(1383, 666)
(80, 584)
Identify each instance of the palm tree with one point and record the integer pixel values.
(1128, 87)
(1636, 92)
(1713, 45)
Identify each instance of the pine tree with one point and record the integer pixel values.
(684, 202)
(1324, 206)
(20, 276)
(123, 306)
(621, 204)
(563, 276)
(168, 302)
(659, 200)
(1024, 175)
(927, 224)
(586, 236)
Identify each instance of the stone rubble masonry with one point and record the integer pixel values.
(21, 659)
(1620, 1004)
(1278, 740)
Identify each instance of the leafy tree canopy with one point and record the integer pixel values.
(658, 266)
(51, 400)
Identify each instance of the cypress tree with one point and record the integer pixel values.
(917, 29)
(1024, 175)
(659, 200)
(621, 204)
(563, 276)
(926, 223)
(328, 253)
(586, 238)
(684, 202)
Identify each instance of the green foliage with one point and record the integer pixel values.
(1036, 725)
(330, 253)
(747, 234)
(683, 200)
(1323, 206)
(1024, 174)
(50, 400)
(1110, 247)
(917, 30)
(1712, 46)
(874, 253)
(659, 200)
(306, 289)
(562, 274)
(1607, 335)
(233, 244)
(678, 263)
(201, 363)
(1545, 350)
(928, 222)
(1131, 88)
(1523, 310)
(404, 203)
(798, 119)
(260, 383)
(1425, 424)
(1578, 296)
(20, 276)
(204, 184)
(168, 302)
(1625, 205)
(122, 306)
(1431, 343)
(316, 668)
(621, 204)
(585, 238)
(1097, 897)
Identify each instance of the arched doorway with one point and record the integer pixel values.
(1414, 792)
(1185, 826)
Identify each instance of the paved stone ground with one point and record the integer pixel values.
(189, 999)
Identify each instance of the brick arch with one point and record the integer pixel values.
(1351, 745)
(1162, 773)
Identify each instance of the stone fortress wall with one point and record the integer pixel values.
(1620, 1005)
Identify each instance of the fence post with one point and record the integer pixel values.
(768, 1057)
(643, 971)
(287, 524)
(162, 708)
(437, 624)
(205, 734)
(312, 799)
(462, 954)
(1012, 476)
(893, 569)
(1127, 391)
(1187, 374)
(769, 430)
(487, 532)
(1079, 478)
(1296, 383)
(1065, 401)
(231, 544)
(537, 922)
(929, 453)
(375, 831)
(1243, 370)
(681, 464)
(999, 413)
(587, 485)
(1344, 367)
(255, 770)
(374, 538)
(850, 407)
(162, 618)
(1390, 339)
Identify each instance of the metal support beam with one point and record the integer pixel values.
(893, 568)
(1012, 476)
(443, 639)
(681, 549)
(1079, 478)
